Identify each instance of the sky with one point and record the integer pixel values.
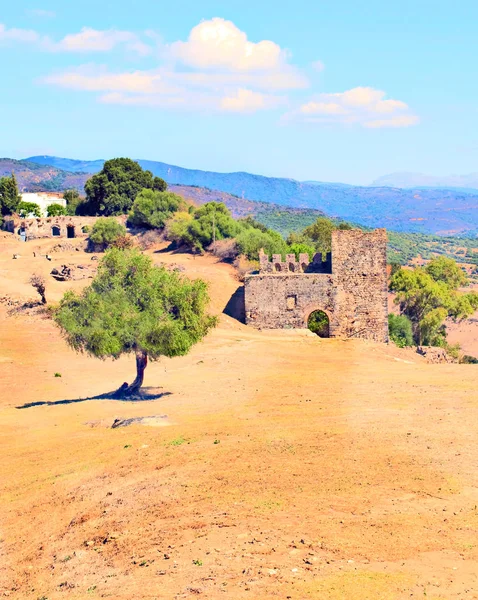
(326, 90)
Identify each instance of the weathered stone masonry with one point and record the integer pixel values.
(350, 287)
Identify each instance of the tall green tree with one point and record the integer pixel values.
(447, 270)
(113, 190)
(152, 208)
(9, 195)
(135, 307)
(428, 302)
(320, 234)
(73, 201)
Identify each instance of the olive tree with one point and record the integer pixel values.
(135, 307)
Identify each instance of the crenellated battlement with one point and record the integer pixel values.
(292, 265)
(349, 286)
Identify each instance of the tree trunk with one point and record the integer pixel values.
(141, 364)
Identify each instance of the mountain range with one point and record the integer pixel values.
(419, 180)
(426, 210)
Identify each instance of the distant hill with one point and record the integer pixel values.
(34, 177)
(441, 211)
(419, 180)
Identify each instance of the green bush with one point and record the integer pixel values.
(199, 228)
(106, 232)
(152, 208)
(55, 210)
(250, 241)
(25, 209)
(400, 330)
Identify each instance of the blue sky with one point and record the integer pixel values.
(325, 90)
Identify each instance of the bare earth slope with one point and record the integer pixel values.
(286, 467)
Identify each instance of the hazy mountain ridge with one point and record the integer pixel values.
(442, 211)
(419, 180)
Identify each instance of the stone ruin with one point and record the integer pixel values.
(349, 286)
(52, 227)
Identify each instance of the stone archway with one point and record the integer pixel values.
(70, 231)
(55, 231)
(319, 323)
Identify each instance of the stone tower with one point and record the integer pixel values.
(350, 286)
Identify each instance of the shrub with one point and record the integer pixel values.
(55, 210)
(123, 242)
(39, 284)
(25, 209)
(250, 241)
(85, 228)
(244, 267)
(302, 248)
(106, 232)
(400, 330)
(177, 229)
(153, 208)
(148, 239)
(224, 249)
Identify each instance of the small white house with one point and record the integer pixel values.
(44, 199)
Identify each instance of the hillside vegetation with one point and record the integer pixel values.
(442, 211)
(404, 247)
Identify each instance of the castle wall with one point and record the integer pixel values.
(52, 227)
(352, 290)
(286, 300)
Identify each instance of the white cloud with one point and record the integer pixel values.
(398, 121)
(361, 106)
(217, 69)
(247, 101)
(219, 44)
(94, 40)
(18, 35)
(94, 79)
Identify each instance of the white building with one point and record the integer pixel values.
(44, 199)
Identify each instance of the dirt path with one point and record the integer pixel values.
(283, 466)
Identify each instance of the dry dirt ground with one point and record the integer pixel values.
(283, 466)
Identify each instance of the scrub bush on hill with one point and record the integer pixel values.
(152, 208)
(106, 232)
(400, 330)
(427, 301)
(250, 241)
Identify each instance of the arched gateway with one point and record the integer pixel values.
(344, 295)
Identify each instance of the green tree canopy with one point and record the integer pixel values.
(319, 234)
(152, 208)
(427, 302)
(212, 221)
(9, 196)
(447, 270)
(106, 231)
(400, 330)
(55, 210)
(133, 306)
(250, 241)
(73, 201)
(26, 209)
(113, 190)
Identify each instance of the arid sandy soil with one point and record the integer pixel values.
(286, 466)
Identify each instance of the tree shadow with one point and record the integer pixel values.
(145, 395)
(235, 307)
